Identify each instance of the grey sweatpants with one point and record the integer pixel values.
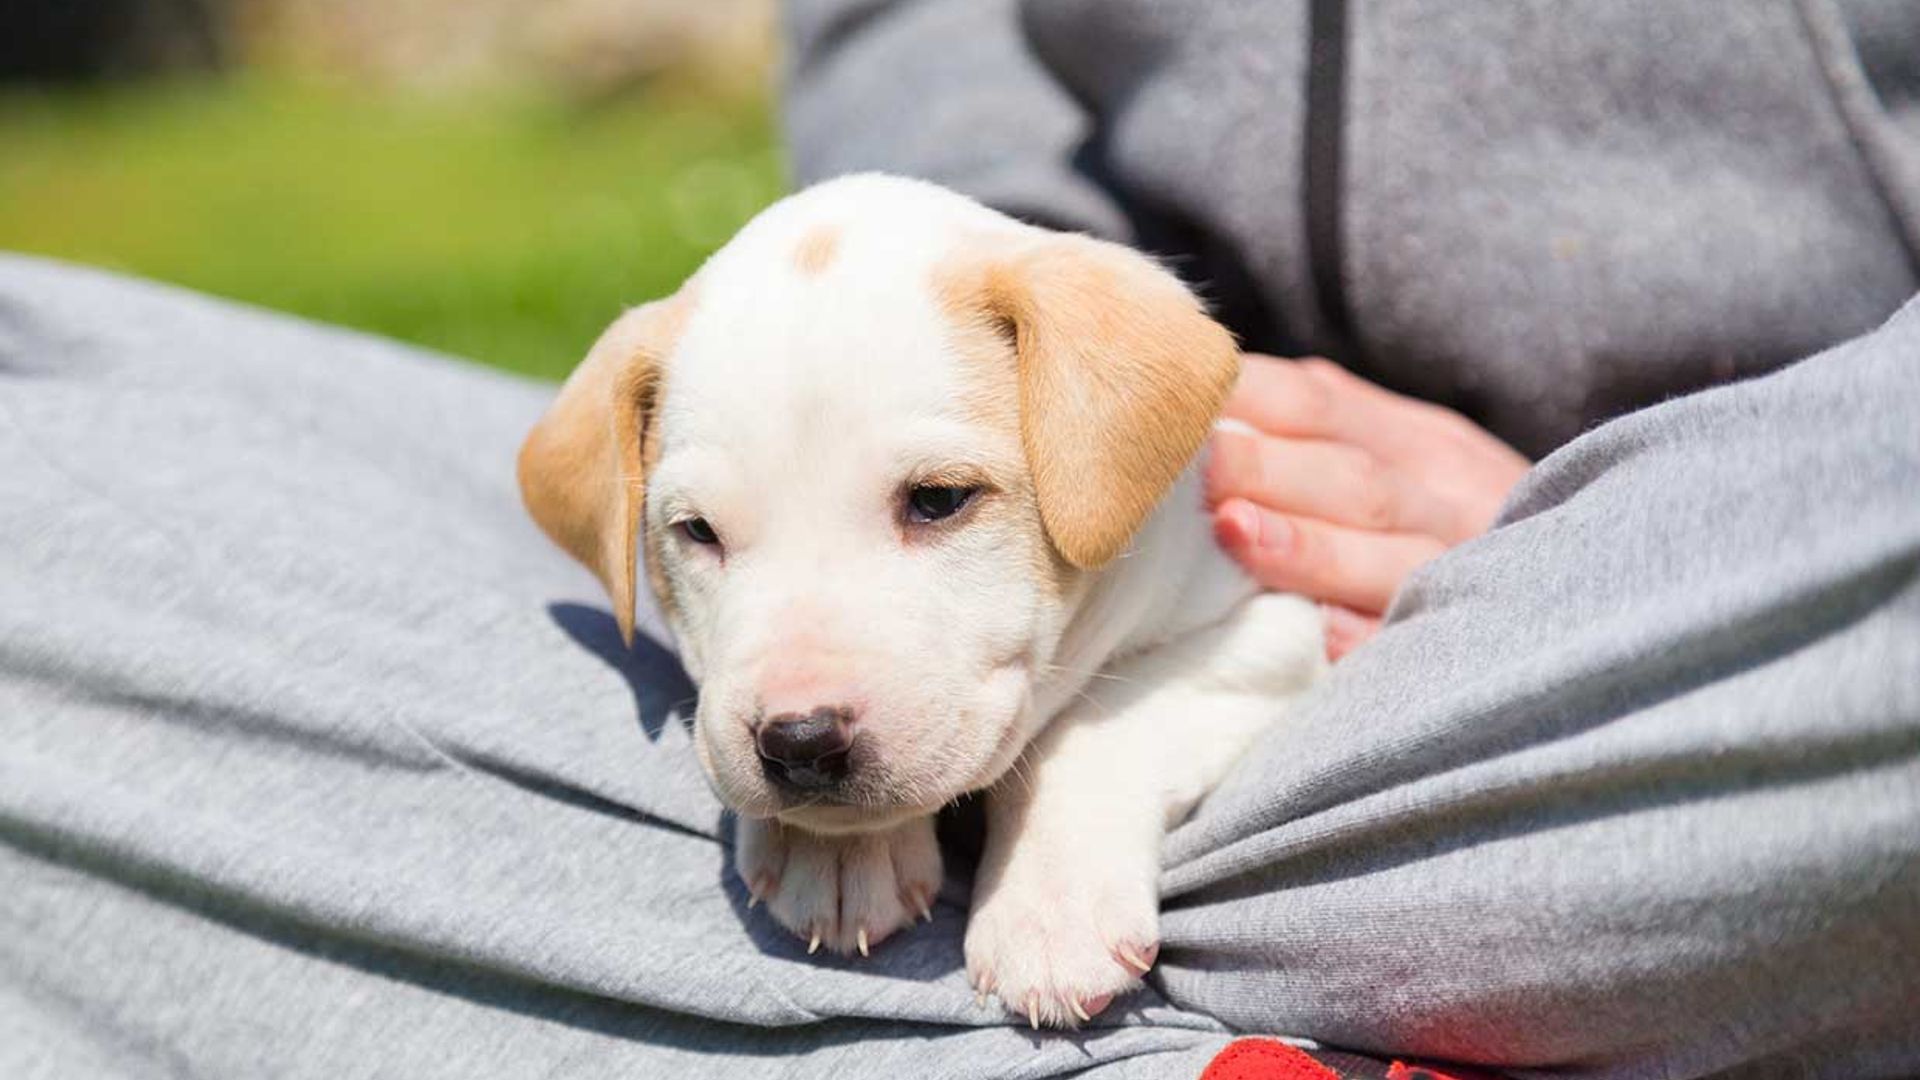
(317, 760)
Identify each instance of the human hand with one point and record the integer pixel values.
(1347, 487)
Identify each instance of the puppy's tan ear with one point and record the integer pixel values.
(1121, 373)
(582, 468)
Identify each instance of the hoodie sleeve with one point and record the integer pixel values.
(944, 90)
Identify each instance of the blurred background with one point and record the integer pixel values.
(493, 178)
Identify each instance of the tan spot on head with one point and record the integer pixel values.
(816, 249)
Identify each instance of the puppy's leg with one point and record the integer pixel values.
(1066, 905)
(845, 893)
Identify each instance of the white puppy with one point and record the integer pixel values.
(913, 486)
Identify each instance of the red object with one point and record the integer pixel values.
(1270, 1059)
(1265, 1059)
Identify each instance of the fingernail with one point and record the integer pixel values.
(1236, 524)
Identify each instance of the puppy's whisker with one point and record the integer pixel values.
(1091, 702)
(1020, 773)
(1108, 676)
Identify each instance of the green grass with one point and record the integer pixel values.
(509, 230)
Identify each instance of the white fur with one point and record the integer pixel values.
(796, 406)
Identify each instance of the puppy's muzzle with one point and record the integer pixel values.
(809, 753)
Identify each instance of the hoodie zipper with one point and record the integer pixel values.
(1324, 168)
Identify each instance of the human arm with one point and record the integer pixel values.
(945, 90)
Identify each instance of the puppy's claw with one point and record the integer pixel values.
(1133, 959)
(759, 889)
(1078, 1010)
(926, 913)
(860, 939)
(1033, 1011)
(814, 945)
(982, 989)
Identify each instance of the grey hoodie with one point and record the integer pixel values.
(1543, 214)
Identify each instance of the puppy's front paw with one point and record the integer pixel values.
(1058, 935)
(847, 893)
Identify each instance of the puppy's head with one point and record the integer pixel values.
(868, 457)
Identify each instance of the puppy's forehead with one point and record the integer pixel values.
(820, 324)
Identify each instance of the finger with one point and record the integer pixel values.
(1346, 629)
(1329, 563)
(1326, 481)
(1280, 397)
(1318, 399)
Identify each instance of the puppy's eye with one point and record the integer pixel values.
(698, 531)
(931, 502)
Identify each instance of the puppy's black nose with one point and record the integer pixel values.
(807, 753)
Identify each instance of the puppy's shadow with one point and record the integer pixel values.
(659, 685)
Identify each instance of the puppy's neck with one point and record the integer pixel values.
(1172, 581)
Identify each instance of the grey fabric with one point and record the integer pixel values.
(944, 89)
(1552, 213)
(315, 760)
(1629, 785)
